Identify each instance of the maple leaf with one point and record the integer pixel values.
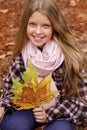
(32, 93)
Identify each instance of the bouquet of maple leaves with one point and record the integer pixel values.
(32, 93)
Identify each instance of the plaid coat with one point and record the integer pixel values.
(71, 109)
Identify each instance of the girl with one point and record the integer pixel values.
(44, 36)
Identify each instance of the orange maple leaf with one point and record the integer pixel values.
(32, 93)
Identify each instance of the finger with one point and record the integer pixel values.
(38, 109)
(40, 121)
(38, 114)
(39, 118)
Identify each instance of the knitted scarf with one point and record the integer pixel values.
(45, 61)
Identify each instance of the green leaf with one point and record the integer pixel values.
(18, 97)
(17, 84)
(45, 81)
(30, 73)
(26, 76)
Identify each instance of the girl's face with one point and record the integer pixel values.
(39, 29)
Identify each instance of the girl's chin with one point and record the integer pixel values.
(38, 40)
(38, 44)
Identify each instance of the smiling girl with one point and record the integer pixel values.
(44, 36)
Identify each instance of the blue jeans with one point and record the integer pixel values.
(24, 120)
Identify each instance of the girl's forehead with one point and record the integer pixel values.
(39, 16)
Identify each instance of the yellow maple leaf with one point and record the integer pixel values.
(32, 93)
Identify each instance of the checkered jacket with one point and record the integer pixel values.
(71, 109)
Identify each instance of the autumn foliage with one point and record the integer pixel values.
(32, 93)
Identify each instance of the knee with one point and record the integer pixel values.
(20, 120)
(59, 125)
(66, 125)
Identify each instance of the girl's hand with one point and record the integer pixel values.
(40, 115)
(2, 111)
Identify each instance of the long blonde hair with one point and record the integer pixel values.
(74, 57)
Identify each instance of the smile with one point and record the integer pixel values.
(39, 39)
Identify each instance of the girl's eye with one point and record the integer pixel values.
(31, 24)
(46, 25)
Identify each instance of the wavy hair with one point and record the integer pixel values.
(74, 57)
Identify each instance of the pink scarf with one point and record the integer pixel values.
(46, 61)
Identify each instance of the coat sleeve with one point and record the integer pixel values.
(71, 109)
(15, 70)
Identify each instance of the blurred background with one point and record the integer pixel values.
(75, 12)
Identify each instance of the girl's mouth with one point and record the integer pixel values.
(37, 38)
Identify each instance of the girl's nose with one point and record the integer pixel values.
(38, 30)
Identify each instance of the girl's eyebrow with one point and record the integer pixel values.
(47, 23)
